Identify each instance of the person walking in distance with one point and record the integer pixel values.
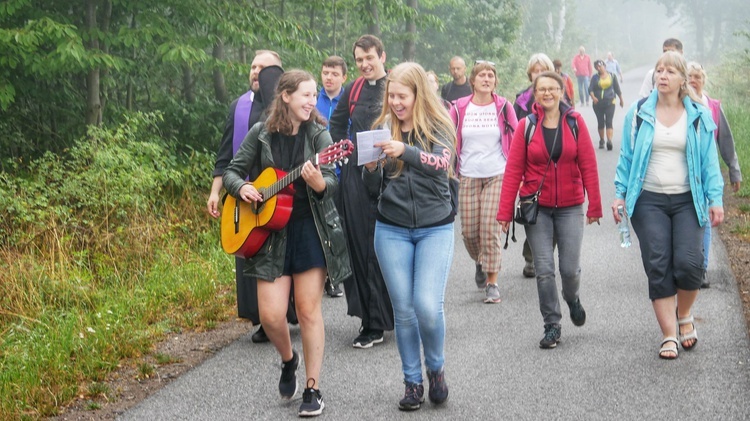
(362, 101)
(311, 244)
(484, 123)
(244, 112)
(415, 248)
(604, 89)
(613, 66)
(583, 71)
(333, 76)
(669, 183)
(459, 87)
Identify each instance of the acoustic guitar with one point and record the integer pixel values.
(246, 226)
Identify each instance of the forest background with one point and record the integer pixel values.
(111, 112)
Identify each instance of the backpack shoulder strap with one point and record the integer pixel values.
(530, 126)
(638, 118)
(573, 124)
(354, 93)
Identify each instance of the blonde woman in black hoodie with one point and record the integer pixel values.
(414, 228)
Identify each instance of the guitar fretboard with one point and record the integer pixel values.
(281, 184)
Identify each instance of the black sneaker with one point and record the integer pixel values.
(601, 143)
(259, 336)
(367, 338)
(609, 145)
(438, 387)
(480, 276)
(333, 291)
(312, 401)
(551, 336)
(288, 381)
(413, 397)
(577, 313)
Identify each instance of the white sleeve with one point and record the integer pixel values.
(648, 84)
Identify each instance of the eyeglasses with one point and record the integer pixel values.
(491, 63)
(546, 90)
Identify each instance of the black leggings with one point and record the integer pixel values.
(604, 114)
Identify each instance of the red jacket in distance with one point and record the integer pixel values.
(568, 181)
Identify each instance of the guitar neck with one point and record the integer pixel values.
(284, 181)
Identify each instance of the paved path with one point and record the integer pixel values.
(607, 369)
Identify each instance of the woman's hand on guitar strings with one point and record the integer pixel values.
(249, 194)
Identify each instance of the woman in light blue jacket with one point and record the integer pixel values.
(669, 183)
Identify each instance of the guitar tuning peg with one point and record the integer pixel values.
(346, 160)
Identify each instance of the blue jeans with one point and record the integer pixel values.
(415, 264)
(583, 89)
(566, 226)
(706, 244)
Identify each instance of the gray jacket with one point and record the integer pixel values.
(268, 263)
(420, 195)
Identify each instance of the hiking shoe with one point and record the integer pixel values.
(480, 277)
(259, 336)
(551, 336)
(609, 145)
(312, 401)
(492, 294)
(601, 143)
(438, 387)
(529, 271)
(288, 381)
(333, 291)
(577, 313)
(413, 397)
(367, 338)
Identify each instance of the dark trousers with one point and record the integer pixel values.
(671, 242)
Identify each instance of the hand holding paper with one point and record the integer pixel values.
(366, 149)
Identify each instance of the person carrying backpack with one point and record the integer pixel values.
(563, 188)
(485, 123)
(603, 88)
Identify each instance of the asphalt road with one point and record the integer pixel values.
(607, 369)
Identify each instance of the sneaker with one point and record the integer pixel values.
(492, 294)
(438, 387)
(551, 336)
(333, 291)
(577, 313)
(529, 271)
(312, 401)
(413, 397)
(480, 277)
(609, 145)
(259, 336)
(288, 381)
(367, 338)
(601, 143)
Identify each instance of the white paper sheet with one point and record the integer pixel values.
(366, 149)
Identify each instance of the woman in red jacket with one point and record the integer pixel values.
(565, 183)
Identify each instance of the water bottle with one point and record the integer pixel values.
(624, 228)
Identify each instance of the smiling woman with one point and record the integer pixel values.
(311, 244)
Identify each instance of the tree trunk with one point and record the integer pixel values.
(717, 36)
(699, 29)
(187, 84)
(220, 88)
(374, 25)
(93, 100)
(410, 50)
(106, 19)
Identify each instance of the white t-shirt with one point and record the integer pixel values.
(667, 170)
(481, 150)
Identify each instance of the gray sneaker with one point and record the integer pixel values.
(480, 276)
(492, 294)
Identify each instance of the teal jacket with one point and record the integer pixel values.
(268, 263)
(706, 182)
